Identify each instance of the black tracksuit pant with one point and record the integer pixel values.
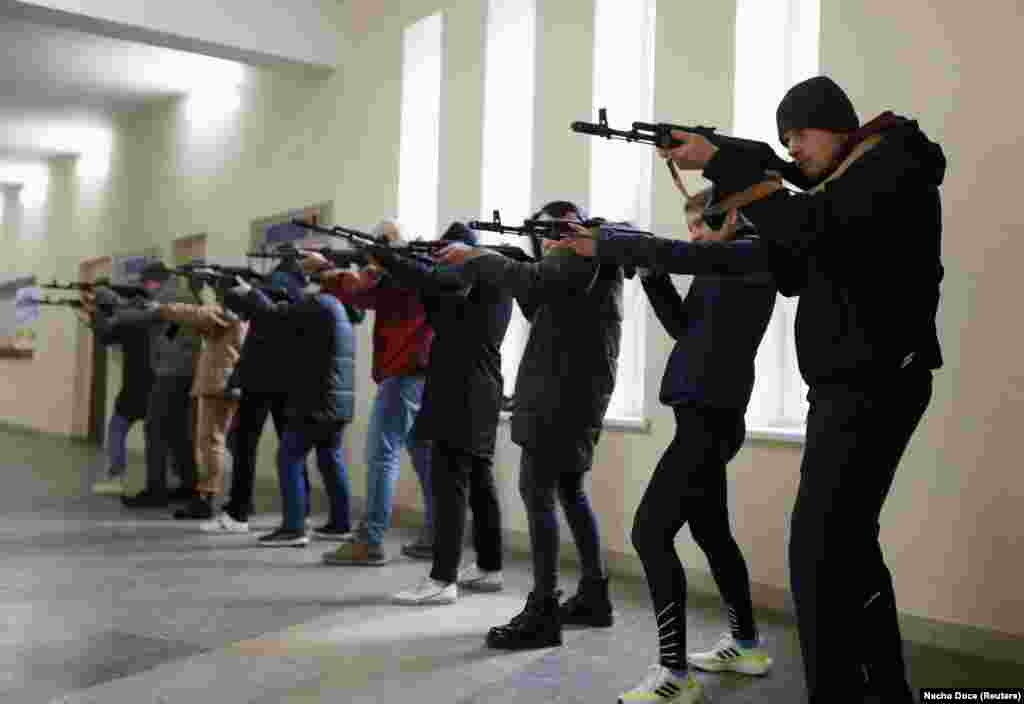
(459, 478)
(843, 591)
(168, 429)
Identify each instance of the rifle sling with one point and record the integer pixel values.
(769, 186)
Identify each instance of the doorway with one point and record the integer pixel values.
(89, 415)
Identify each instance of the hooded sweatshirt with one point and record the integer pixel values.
(869, 240)
(861, 249)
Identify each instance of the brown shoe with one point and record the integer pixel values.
(357, 553)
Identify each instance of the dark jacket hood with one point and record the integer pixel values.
(923, 157)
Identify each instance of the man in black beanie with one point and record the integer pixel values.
(866, 351)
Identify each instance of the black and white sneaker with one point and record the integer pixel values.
(334, 533)
(285, 538)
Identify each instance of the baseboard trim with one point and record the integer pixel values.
(777, 603)
(18, 428)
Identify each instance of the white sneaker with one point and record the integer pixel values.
(728, 655)
(224, 523)
(662, 687)
(111, 486)
(476, 579)
(428, 591)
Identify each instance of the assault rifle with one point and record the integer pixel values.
(216, 275)
(75, 303)
(128, 291)
(341, 258)
(419, 249)
(548, 229)
(660, 135)
(432, 247)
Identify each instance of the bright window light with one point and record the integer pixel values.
(34, 179)
(209, 105)
(620, 176)
(776, 47)
(420, 121)
(506, 171)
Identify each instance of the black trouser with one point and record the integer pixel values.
(842, 589)
(252, 416)
(689, 485)
(168, 429)
(541, 475)
(454, 473)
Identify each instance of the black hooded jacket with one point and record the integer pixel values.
(463, 389)
(863, 253)
(567, 373)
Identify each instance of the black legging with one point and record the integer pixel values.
(842, 589)
(689, 485)
(541, 476)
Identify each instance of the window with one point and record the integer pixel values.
(421, 110)
(620, 177)
(776, 47)
(506, 173)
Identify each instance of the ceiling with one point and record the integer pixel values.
(60, 87)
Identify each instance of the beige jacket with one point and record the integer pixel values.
(222, 332)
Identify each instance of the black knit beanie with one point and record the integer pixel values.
(816, 103)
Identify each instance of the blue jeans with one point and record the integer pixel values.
(296, 442)
(394, 410)
(117, 435)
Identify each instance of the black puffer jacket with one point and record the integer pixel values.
(567, 373)
(319, 371)
(463, 388)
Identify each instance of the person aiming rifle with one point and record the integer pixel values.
(866, 356)
(565, 382)
(97, 306)
(401, 349)
(223, 333)
(157, 390)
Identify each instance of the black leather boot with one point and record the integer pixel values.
(199, 508)
(589, 606)
(147, 498)
(537, 626)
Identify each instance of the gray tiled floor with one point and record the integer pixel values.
(102, 604)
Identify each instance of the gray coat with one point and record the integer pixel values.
(173, 347)
(567, 373)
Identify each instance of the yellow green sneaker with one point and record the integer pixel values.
(662, 686)
(728, 655)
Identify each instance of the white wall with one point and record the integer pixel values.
(950, 527)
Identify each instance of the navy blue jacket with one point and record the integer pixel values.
(717, 329)
(319, 371)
